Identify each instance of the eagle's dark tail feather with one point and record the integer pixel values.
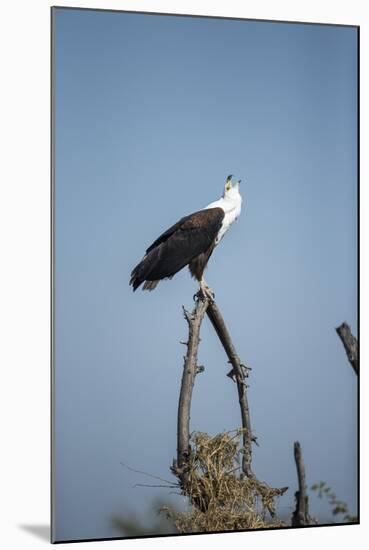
(141, 272)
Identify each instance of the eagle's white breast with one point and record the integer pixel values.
(231, 205)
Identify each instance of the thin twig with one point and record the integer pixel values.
(172, 486)
(145, 473)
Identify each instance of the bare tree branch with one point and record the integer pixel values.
(238, 371)
(301, 514)
(350, 344)
(190, 369)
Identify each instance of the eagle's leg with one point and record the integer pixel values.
(205, 290)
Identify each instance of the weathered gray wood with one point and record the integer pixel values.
(238, 372)
(350, 344)
(190, 369)
(301, 514)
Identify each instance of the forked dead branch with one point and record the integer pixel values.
(192, 483)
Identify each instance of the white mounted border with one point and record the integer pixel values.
(25, 265)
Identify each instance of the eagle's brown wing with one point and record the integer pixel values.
(190, 237)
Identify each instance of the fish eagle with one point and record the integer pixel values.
(190, 241)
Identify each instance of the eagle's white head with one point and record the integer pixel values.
(230, 200)
(232, 190)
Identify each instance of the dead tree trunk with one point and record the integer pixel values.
(350, 344)
(301, 514)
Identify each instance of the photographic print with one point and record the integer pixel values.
(205, 274)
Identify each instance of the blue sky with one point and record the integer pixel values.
(151, 114)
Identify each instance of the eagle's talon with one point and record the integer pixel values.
(206, 291)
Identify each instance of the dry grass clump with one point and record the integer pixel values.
(222, 498)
